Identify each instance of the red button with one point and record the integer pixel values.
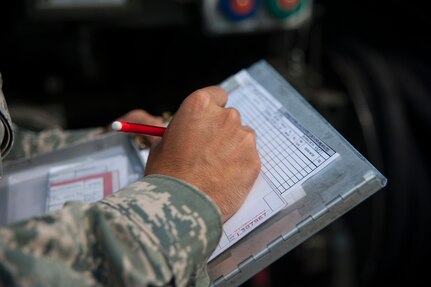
(288, 4)
(242, 7)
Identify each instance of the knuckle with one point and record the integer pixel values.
(198, 100)
(134, 112)
(250, 135)
(250, 142)
(233, 115)
(250, 138)
(218, 89)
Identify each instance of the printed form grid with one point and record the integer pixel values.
(283, 165)
(290, 154)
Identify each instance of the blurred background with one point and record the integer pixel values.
(365, 65)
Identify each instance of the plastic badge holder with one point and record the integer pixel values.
(340, 186)
(24, 186)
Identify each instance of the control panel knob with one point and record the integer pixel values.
(237, 10)
(282, 9)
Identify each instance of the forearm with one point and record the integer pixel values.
(154, 232)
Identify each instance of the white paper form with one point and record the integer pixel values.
(289, 153)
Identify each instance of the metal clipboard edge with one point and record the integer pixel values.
(286, 242)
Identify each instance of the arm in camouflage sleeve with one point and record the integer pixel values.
(152, 233)
(29, 143)
(156, 232)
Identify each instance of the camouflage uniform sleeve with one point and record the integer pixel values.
(29, 143)
(156, 232)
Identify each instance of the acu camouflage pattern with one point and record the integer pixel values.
(156, 232)
(30, 143)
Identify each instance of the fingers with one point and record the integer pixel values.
(141, 116)
(207, 146)
(204, 98)
(249, 130)
(219, 95)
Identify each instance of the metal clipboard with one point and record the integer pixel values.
(342, 185)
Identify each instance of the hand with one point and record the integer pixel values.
(142, 117)
(206, 145)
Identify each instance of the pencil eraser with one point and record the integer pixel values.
(116, 126)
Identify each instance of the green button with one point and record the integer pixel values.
(282, 9)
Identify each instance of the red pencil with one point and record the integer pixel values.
(127, 127)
